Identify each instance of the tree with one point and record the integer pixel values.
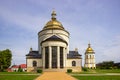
(5, 59)
(117, 65)
(106, 65)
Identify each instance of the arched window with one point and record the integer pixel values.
(34, 64)
(86, 56)
(90, 56)
(73, 63)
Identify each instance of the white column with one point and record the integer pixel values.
(50, 57)
(58, 57)
(64, 57)
(43, 57)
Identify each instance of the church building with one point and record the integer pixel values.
(53, 50)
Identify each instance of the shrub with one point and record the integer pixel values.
(69, 70)
(39, 71)
(14, 70)
(20, 70)
(1, 70)
(84, 69)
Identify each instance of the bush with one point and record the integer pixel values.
(14, 70)
(69, 70)
(20, 70)
(39, 71)
(1, 70)
(84, 69)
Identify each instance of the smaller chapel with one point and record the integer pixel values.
(53, 50)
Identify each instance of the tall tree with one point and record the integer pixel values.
(5, 59)
(105, 65)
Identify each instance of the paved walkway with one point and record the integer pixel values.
(55, 76)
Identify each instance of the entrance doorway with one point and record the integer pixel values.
(54, 56)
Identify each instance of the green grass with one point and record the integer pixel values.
(98, 74)
(97, 77)
(99, 71)
(32, 76)
(15, 73)
(18, 77)
(108, 70)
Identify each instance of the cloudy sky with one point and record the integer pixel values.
(94, 21)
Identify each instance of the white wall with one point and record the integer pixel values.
(30, 62)
(78, 62)
(44, 34)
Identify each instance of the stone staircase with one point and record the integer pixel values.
(54, 70)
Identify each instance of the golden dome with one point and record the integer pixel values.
(89, 49)
(53, 23)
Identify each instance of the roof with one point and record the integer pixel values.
(9, 70)
(33, 54)
(89, 50)
(54, 38)
(15, 66)
(23, 65)
(53, 23)
(73, 55)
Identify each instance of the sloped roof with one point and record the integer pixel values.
(33, 54)
(73, 55)
(23, 65)
(15, 66)
(54, 38)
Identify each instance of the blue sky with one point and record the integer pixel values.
(94, 21)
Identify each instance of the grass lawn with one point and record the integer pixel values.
(108, 71)
(99, 71)
(18, 76)
(15, 73)
(106, 77)
(32, 76)
(96, 75)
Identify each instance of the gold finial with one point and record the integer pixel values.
(53, 15)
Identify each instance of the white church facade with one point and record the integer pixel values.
(53, 50)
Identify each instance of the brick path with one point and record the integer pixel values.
(55, 76)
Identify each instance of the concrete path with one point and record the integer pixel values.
(55, 76)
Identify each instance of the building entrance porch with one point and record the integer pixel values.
(53, 57)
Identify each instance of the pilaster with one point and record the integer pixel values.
(64, 57)
(58, 57)
(43, 56)
(50, 57)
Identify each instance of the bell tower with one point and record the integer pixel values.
(90, 58)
